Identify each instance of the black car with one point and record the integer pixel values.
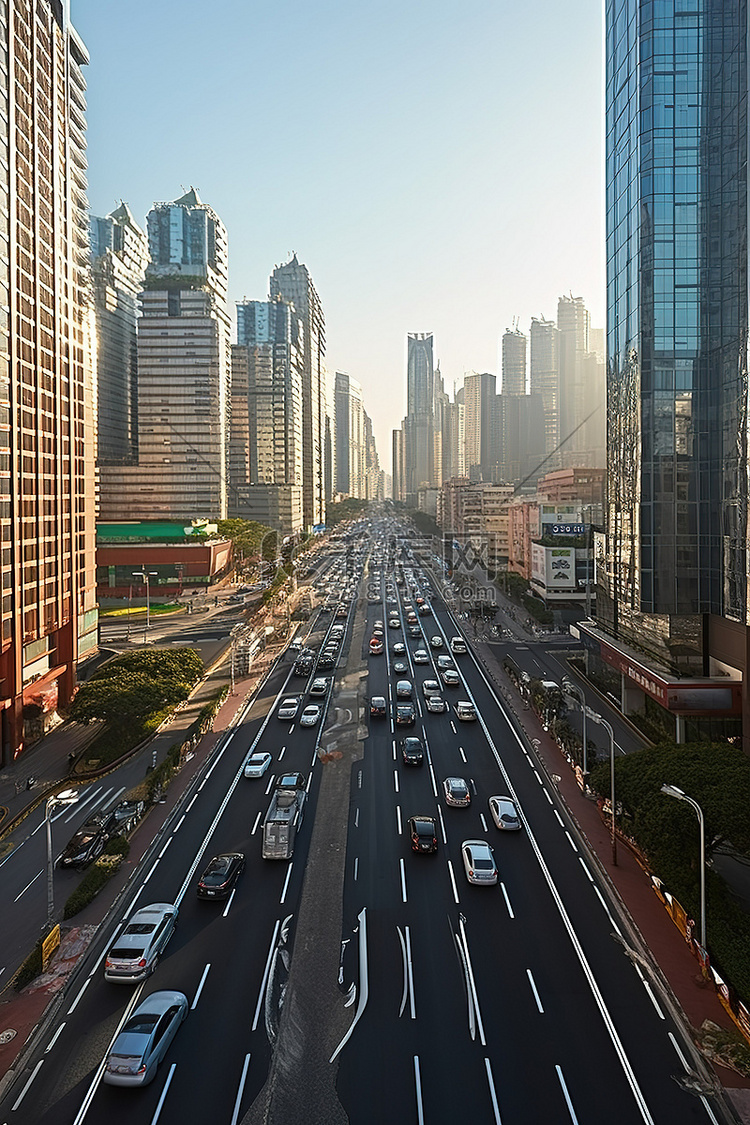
(377, 707)
(423, 834)
(412, 751)
(303, 666)
(327, 660)
(415, 631)
(405, 715)
(221, 875)
(90, 840)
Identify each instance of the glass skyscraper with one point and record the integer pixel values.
(673, 578)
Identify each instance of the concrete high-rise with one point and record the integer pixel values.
(514, 362)
(582, 387)
(47, 389)
(672, 599)
(544, 376)
(184, 370)
(119, 256)
(480, 446)
(293, 283)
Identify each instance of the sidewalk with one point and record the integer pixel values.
(697, 1000)
(20, 1012)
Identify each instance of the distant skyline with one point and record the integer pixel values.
(436, 170)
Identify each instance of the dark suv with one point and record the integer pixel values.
(423, 834)
(90, 840)
(405, 716)
(377, 707)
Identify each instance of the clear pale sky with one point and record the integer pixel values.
(437, 167)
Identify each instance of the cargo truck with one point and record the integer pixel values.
(284, 817)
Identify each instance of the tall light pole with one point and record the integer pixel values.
(597, 718)
(66, 797)
(144, 575)
(572, 689)
(679, 795)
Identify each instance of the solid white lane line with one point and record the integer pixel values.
(154, 865)
(463, 756)
(197, 996)
(484, 822)
(442, 825)
(534, 990)
(157, 1111)
(205, 779)
(356, 818)
(403, 880)
(410, 972)
(240, 1091)
(271, 780)
(395, 780)
(398, 820)
(82, 804)
(472, 982)
(418, 1086)
(507, 900)
(291, 728)
(453, 726)
(609, 913)
(54, 1039)
(25, 889)
(255, 825)
(266, 971)
(493, 1094)
(286, 882)
(229, 902)
(394, 748)
(356, 867)
(546, 794)
(536, 775)
(453, 881)
(23, 1093)
(571, 840)
(75, 1003)
(282, 752)
(566, 1095)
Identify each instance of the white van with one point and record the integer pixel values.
(458, 645)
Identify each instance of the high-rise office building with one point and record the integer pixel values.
(47, 387)
(419, 424)
(582, 387)
(398, 474)
(672, 600)
(480, 446)
(184, 370)
(293, 283)
(544, 377)
(350, 437)
(119, 256)
(514, 362)
(265, 452)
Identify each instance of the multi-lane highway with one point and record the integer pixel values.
(510, 1003)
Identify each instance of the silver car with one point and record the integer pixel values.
(456, 792)
(289, 708)
(435, 704)
(479, 862)
(257, 764)
(505, 814)
(135, 952)
(143, 1041)
(310, 715)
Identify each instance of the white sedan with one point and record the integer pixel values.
(479, 862)
(257, 764)
(310, 715)
(289, 708)
(421, 656)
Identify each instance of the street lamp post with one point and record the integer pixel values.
(679, 795)
(66, 797)
(597, 718)
(573, 689)
(144, 575)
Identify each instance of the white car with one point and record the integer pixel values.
(451, 678)
(505, 814)
(466, 711)
(257, 764)
(430, 687)
(310, 715)
(479, 862)
(435, 704)
(421, 656)
(403, 689)
(319, 686)
(436, 642)
(289, 708)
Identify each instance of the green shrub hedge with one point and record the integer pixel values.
(97, 877)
